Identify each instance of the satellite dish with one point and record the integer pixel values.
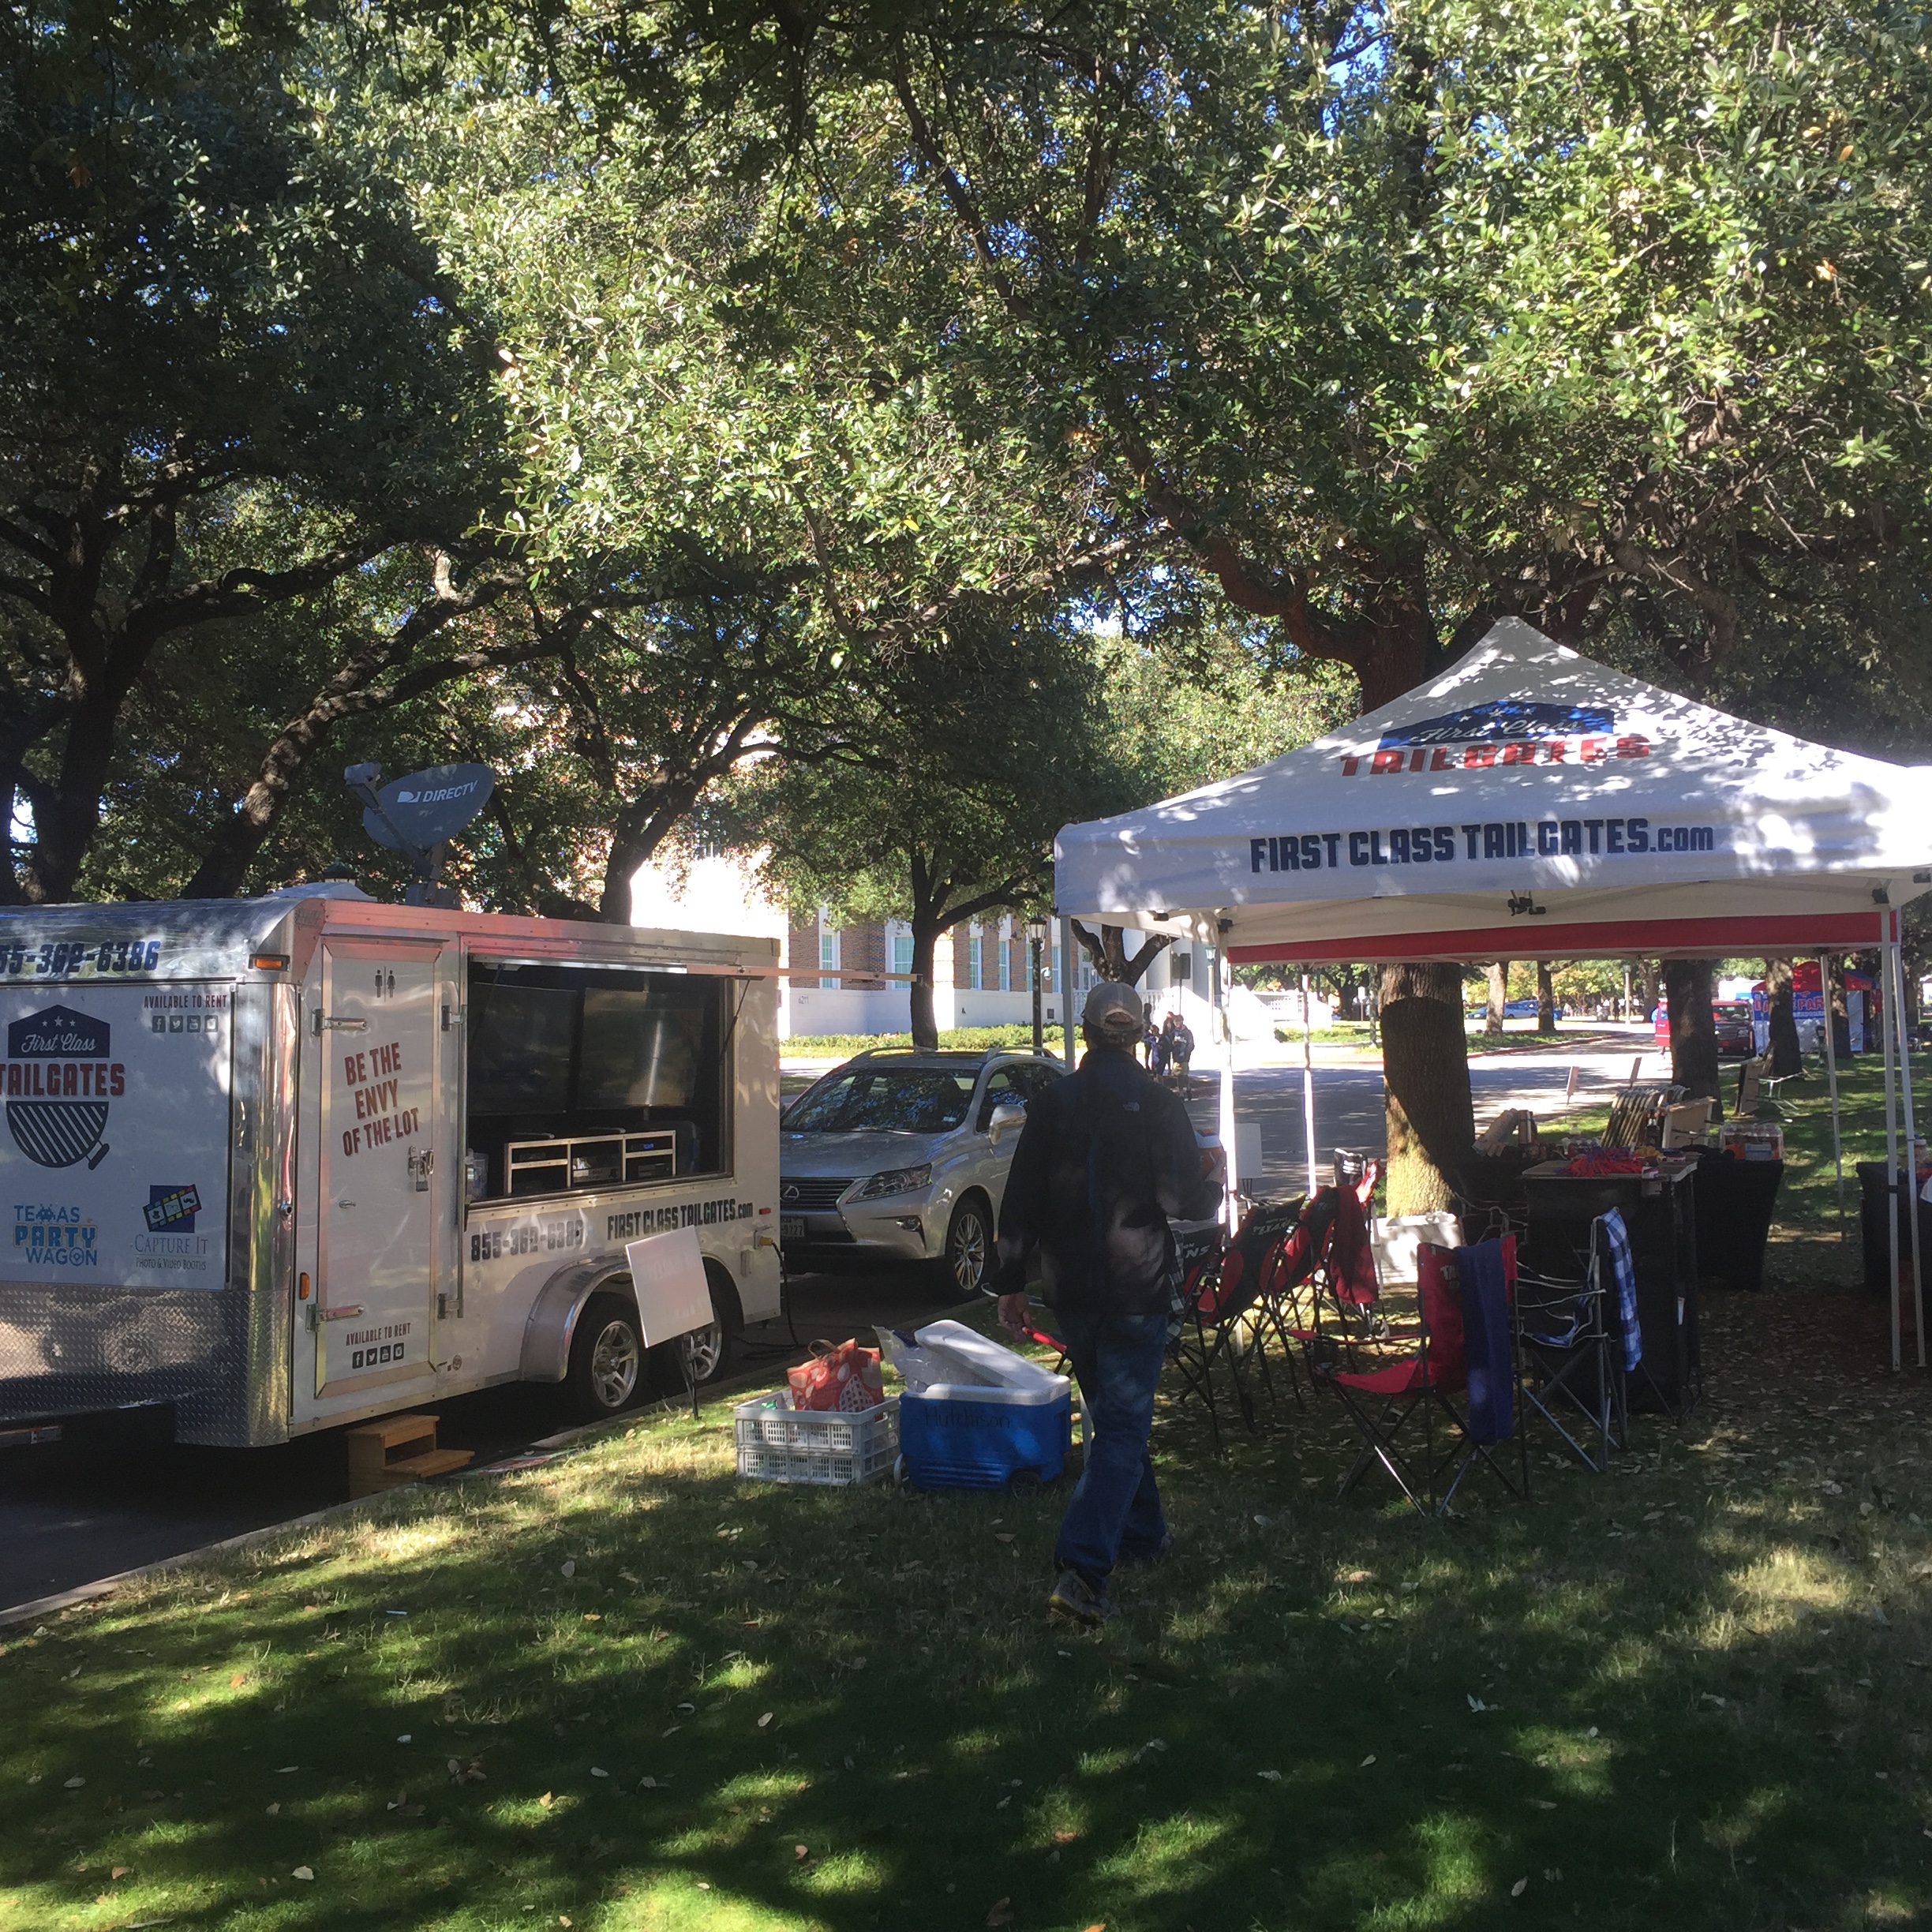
(418, 815)
(428, 806)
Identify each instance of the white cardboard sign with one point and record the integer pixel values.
(673, 1297)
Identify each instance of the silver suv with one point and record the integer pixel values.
(901, 1153)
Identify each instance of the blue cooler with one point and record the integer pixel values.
(964, 1435)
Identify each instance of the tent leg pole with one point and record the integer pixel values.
(1066, 991)
(1911, 1147)
(1308, 1081)
(1831, 1066)
(1230, 1210)
(1891, 1098)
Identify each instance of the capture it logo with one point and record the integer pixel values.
(59, 1080)
(172, 1210)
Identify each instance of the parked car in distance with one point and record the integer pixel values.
(1524, 1009)
(895, 1152)
(1735, 1039)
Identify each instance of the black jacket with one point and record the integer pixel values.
(1106, 1157)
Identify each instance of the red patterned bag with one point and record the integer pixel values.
(845, 1377)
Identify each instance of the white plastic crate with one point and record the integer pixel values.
(779, 1443)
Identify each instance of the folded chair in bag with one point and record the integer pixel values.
(1226, 1320)
(1325, 1273)
(1565, 1365)
(1465, 1360)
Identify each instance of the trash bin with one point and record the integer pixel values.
(1873, 1239)
(1735, 1199)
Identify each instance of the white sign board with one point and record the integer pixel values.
(114, 1163)
(673, 1297)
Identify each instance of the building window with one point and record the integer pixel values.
(902, 952)
(828, 950)
(1058, 983)
(1005, 953)
(976, 960)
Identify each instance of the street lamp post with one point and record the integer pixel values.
(1036, 938)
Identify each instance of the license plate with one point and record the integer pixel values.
(790, 1227)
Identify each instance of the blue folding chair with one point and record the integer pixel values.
(1568, 1345)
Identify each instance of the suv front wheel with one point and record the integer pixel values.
(967, 1259)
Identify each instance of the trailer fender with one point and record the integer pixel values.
(553, 1314)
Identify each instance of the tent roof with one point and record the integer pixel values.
(1528, 802)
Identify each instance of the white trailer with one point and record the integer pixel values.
(283, 1163)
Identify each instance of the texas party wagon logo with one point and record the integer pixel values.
(58, 1082)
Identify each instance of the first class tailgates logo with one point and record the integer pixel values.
(58, 1080)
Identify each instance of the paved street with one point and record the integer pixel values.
(1348, 1099)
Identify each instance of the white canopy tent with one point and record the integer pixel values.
(1529, 803)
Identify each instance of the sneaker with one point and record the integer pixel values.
(1074, 1597)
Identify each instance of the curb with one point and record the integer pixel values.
(563, 1439)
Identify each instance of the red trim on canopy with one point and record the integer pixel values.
(1529, 939)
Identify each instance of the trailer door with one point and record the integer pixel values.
(377, 1239)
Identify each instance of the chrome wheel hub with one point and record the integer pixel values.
(968, 1246)
(615, 1361)
(701, 1351)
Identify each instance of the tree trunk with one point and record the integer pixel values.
(1648, 973)
(1499, 995)
(1108, 950)
(1546, 999)
(1429, 1112)
(1693, 1031)
(926, 931)
(1786, 1057)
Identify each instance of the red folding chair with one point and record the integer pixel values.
(1382, 1402)
(1227, 1318)
(1326, 1274)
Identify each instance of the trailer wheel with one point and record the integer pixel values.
(704, 1355)
(607, 1359)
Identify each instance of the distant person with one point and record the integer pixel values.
(1149, 1033)
(1164, 1049)
(1183, 1052)
(1106, 1159)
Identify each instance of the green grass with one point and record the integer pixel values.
(974, 1039)
(1808, 1194)
(1703, 1701)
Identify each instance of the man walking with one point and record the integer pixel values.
(1106, 1158)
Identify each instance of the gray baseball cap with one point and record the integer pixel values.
(1112, 1008)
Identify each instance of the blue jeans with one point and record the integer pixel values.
(1116, 1509)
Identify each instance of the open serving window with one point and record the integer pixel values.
(584, 1077)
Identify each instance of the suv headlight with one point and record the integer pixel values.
(896, 1180)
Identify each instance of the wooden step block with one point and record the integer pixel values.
(391, 1430)
(375, 1448)
(431, 1463)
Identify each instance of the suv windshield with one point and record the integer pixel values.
(884, 1100)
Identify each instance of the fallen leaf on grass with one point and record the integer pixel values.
(1366, 1762)
(1002, 1914)
(274, 1810)
(1542, 1804)
(570, 1569)
(1517, 1889)
(302, 1872)
(1064, 1837)
(799, 1851)
(120, 1871)
(598, 1771)
(237, 1680)
(1359, 1576)
(74, 1784)
(1274, 1777)
(763, 1721)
